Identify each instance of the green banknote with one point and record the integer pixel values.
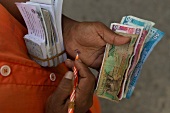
(115, 63)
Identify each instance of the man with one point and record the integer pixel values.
(26, 87)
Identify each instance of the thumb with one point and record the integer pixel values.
(112, 38)
(64, 88)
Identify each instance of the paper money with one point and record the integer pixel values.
(34, 46)
(122, 64)
(149, 46)
(115, 63)
(134, 61)
(134, 21)
(137, 49)
(116, 27)
(147, 25)
(45, 23)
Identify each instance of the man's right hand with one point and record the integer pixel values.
(58, 102)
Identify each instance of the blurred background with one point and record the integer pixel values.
(152, 93)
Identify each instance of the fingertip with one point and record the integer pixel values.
(69, 63)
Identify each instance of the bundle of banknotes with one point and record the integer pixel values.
(122, 65)
(44, 40)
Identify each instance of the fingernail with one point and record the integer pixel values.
(69, 75)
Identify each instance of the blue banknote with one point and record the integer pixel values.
(150, 34)
(156, 36)
(134, 21)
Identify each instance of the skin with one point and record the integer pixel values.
(13, 10)
(59, 100)
(90, 39)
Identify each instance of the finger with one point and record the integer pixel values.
(85, 90)
(64, 89)
(96, 64)
(87, 79)
(112, 38)
(69, 63)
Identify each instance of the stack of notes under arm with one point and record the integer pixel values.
(44, 40)
(122, 65)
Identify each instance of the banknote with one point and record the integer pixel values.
(115, 63)
(147, 25)
(45, 23)
(134, 21)
(137, 50)
(122, 64)
(116, 27)
(133, 62)
(148, 47)
(150, 34)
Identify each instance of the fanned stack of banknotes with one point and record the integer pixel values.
(44, 40)
(122, 65)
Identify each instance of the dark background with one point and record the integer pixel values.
(152, 93)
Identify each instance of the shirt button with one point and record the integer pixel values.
(52, 77)
(5, 70)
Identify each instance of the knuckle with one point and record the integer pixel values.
(112, 40)
(99, 28)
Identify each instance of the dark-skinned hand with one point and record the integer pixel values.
(90, 38)
(59, 100)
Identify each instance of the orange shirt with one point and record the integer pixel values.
(24, 85)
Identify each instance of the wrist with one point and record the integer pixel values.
(69, 29)
(67, 24)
